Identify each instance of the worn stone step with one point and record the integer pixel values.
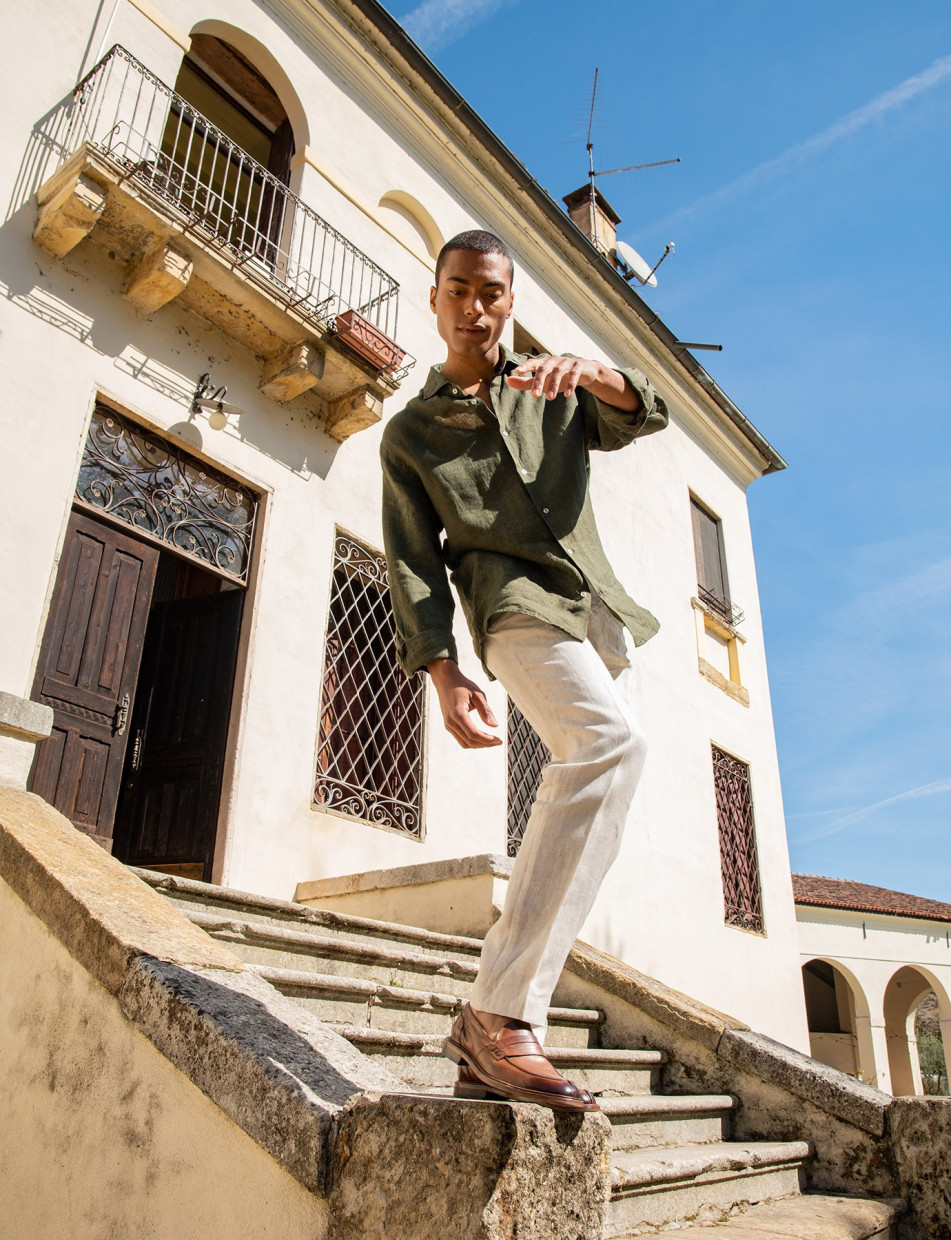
(645, 1121)
(190, 895)
(809, 1217)
(654, 1188)
(361, 1002)
(418, 1060)
(369, 959)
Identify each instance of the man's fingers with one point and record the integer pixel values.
(481, 703)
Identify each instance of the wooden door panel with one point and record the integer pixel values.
(89, 663)
(83, 561)
(169, 806)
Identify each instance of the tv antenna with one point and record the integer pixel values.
(635, 266)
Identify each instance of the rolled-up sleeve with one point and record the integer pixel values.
(609, 428)
(419, 586)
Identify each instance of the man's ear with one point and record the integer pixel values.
(432, 299)
(511, 305)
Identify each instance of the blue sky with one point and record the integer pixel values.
(812, 218)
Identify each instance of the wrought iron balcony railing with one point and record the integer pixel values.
(220, 193)
(728, 612)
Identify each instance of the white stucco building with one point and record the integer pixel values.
(215, 263)
(869, 957)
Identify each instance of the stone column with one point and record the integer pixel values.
(22, 724)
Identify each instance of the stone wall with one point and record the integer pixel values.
(152, 1083)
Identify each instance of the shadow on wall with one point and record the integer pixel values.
(81, 297)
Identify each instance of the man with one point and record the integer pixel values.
(486, 473)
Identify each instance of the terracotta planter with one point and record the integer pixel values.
(358, 334)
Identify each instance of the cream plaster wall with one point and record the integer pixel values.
(100, 1135)
(887, 961)
(662, 907)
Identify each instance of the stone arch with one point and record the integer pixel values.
(905, 990)
(838, 1016)
(268, 66)
(415, 214)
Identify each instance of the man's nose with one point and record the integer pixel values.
(474, 307)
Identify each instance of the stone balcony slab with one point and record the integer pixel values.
(96, 199)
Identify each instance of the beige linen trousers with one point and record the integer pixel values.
(579, 698)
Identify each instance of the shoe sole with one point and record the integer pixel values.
(503, 1093)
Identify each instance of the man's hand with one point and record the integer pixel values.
(547, 376)
(458, 697)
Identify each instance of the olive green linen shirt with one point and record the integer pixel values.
(501, 500)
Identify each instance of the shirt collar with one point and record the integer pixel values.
(435, 382)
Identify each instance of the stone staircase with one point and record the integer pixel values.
(393, 992)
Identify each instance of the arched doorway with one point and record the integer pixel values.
(835, 1009)
(904, 994)
(229, 171)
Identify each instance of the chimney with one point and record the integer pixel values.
(597, 219)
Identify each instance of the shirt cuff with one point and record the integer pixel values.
(415, 652)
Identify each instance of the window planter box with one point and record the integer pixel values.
(358, 334)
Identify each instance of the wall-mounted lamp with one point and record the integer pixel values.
(208, 397)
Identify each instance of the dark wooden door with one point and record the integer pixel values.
(87, 671)
(168, 811)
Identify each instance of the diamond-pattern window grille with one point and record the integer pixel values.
(739, 866)
(527, 758)
(370, 739)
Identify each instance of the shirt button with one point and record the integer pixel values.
(506, 434)
(569, 551)
(524, 471)
(546, 511)
(584, 593)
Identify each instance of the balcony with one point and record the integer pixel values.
(194, 218)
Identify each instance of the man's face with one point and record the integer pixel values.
(472, 301)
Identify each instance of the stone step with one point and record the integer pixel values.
(401, 1009)
(649, 1121)
(809, 1217)
(375, 960)
(190, 896)
(418, 1060)
(654, 1188)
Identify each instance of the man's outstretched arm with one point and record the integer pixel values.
(547, 376)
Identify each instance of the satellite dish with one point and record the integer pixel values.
(636, 265)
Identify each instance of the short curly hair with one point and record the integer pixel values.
(480, 241)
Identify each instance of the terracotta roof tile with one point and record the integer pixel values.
(843, 893)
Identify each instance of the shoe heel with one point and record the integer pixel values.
(475, 1092)
(451, 1051)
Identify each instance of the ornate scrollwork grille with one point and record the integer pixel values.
(742, 894)
(527, 758)
(140, 479)
(370, 742)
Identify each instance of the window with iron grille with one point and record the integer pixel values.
(713, 587)
(370, 740)
(527, 758)
(739, 866)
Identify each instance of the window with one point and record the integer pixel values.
(739, 866)
(527, 758)
(712, 584)
(223, 173)
(718, 643)
(524, 342)
(370, 736)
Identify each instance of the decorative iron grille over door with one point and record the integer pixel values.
(742, 894)
(134, 476)
(370, 742)
(527, 758)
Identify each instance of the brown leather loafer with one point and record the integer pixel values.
(509, 1064)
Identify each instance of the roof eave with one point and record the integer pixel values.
(420, 64)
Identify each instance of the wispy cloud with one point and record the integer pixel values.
(794, 156)
(936, 788)
(436, 23)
